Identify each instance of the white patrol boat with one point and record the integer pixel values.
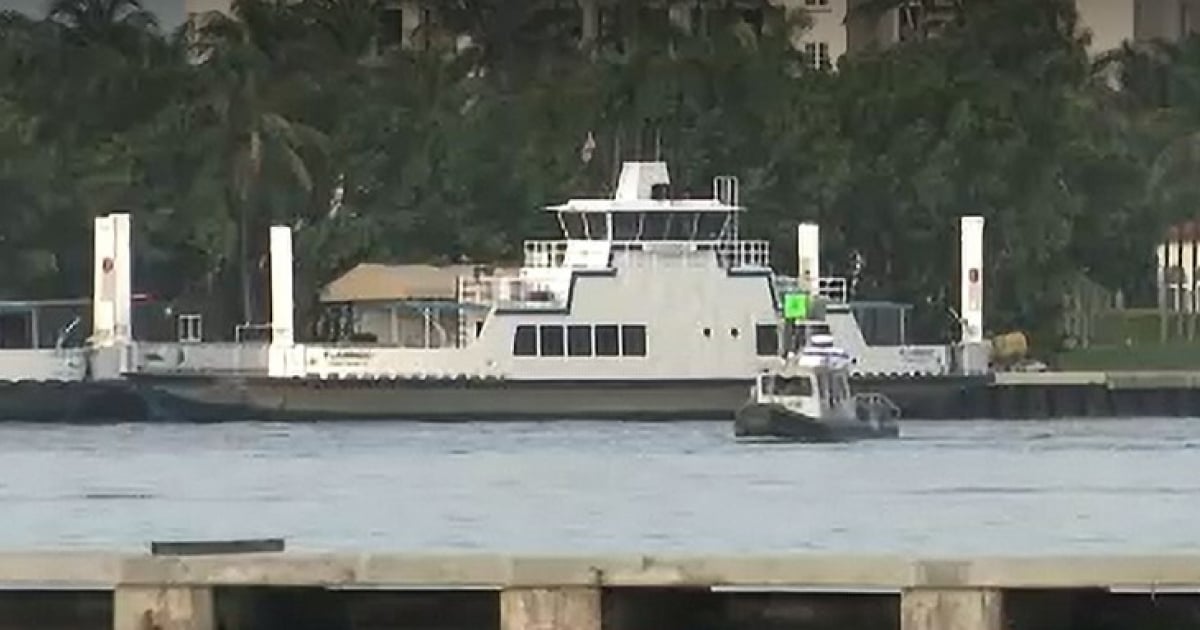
(809, 399)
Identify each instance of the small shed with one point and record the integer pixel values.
(408, 305)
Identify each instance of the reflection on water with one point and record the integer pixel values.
(985, 487)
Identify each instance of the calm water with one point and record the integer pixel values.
(1061, 487)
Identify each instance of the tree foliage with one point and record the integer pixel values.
(300, 113)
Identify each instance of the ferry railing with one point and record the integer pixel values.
(201, 358)
(830, 288)
(834, 289)
(249, 332)
(731, 254)
(543, 254)
(744, 254)
(725, 189)
(875, 405)
(509, 292)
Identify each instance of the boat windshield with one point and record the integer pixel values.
(789, 386)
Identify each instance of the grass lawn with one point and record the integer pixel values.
(1182, 355)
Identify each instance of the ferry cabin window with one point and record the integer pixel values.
(551, 340)
(766, 340)
(606, 341)
(579, 341)
(633, 341)
(525, 341)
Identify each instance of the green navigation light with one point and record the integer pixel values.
(795, 305)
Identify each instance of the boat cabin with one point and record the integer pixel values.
(815, 381)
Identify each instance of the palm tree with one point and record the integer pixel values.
(122, 24)
(263, 154)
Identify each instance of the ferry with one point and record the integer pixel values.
(809, 399)
(649, 307)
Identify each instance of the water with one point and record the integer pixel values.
(945, 488)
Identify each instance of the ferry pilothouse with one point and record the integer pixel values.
(649, 307)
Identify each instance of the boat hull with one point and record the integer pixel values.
(757, 420)
(227, 398)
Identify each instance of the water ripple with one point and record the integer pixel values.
(945, 488)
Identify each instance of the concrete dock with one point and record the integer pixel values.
(1043, 395)
(452, 592)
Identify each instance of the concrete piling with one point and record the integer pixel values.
(562, 608)
(951, 609)
(163, 608)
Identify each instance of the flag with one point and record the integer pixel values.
(589, 147)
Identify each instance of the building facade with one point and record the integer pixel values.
(835, 29)
(1112, 23)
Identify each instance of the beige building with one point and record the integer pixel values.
(413, 306)
(835, 28)
(1114, 22)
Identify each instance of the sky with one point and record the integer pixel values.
(169, 12)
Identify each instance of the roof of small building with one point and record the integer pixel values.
(369, 282)
(1186, 231)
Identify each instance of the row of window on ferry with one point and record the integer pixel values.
(611, 340)
(580, 340)
(647, 226)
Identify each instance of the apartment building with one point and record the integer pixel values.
(1114, 22)
(836, 28)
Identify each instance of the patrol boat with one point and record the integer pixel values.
(809, 399)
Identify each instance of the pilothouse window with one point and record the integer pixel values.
(597, 225)
(711, 226)
(572, 225)
(682, 227)
(627, 226)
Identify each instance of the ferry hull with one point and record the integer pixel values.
(221, 399)
(69, 402)
(754, 420)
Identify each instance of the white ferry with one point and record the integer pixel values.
(649, 307)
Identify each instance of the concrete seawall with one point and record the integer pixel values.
(449, 592)
(1045, 395)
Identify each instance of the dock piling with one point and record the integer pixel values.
(560, 608)
(163, 608)
(951, 609)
